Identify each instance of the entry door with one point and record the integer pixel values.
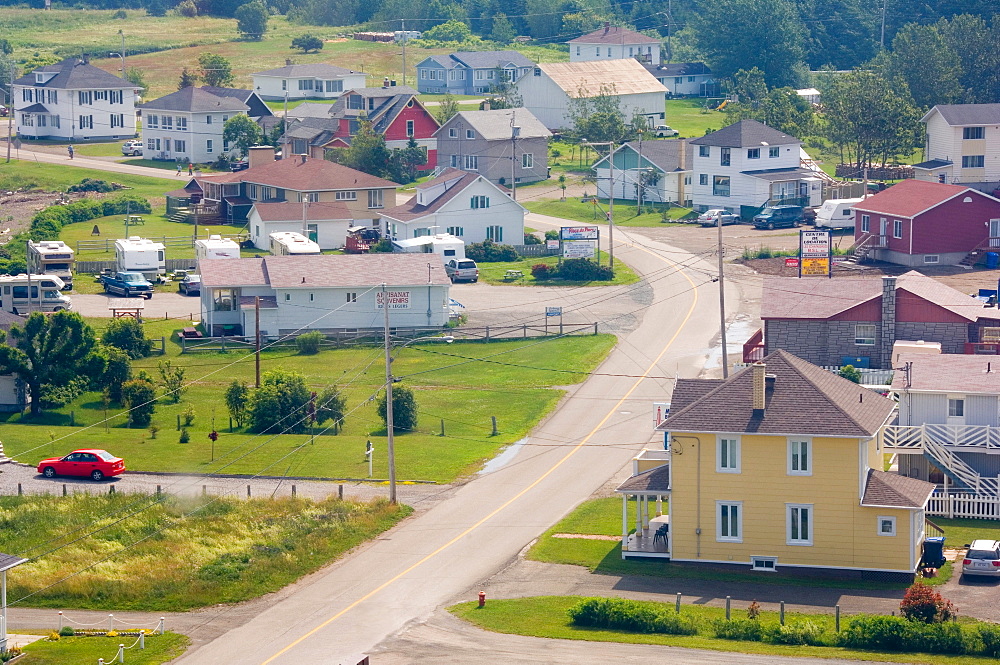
(883, 229)
(312, 230)
(995, 233)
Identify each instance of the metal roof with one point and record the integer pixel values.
(585, 79)
(75, 74)
(196, 100)
(495, 125)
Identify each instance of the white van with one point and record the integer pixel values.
(45, 294)
(836, 214)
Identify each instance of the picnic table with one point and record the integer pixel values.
(512, 275)
(122, 307)
(190, 333)
(132, 220)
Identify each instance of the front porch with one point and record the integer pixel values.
(648, 489)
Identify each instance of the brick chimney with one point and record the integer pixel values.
(888, 327)
(759, 370)
(259, 154)
(607, 27)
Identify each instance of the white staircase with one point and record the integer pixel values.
(958, 470)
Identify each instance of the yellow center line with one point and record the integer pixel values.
(571, 453)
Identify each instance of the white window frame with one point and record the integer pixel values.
(897, 228)
(471, 163)
(884, 520)
(863, 339)
(376, 198)
(973, 161)
(793, 514)
(753, 153)
(527, 160)
(452, 133)
(346, 196)
(454, 162)
(352, 296)
(457, 231)
(725, 523)
(704, 151)
(758, 563)
(973, 133)
(932, 258)
(495, 233)
(798, 448)
(773, 152)
(209, 146)
(410, 127)
(470, 134)
(956, 407)
(703, 179)
(866, 223)
(479, 202)
(733, 458)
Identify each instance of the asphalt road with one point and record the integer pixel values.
(422, 564)
(79, 161)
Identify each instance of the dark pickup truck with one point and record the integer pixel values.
(127, 284)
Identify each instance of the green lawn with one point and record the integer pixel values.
(626, 213)
(546, 617)
(113, 149)
(603, 517)
(159, 649)
(449, 386)
(690, 117)
(55, 177)
(493, 273)
(171, 553)
(156, 227)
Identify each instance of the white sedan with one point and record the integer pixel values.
(711, 217)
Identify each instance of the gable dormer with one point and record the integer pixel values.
(41, 78)
(428, 194)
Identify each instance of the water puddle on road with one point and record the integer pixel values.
(504, 458)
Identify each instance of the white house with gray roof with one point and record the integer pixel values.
(962, 144)
(314, 81)
(469, 72)
(659, 171)
(462, 204)
(614, 41)
(498, 144)
(748, 165)
(186, 125)
(74, 101)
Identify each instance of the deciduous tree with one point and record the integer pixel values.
(449, 31)
(187, 79)
(251, 20)
(128, 335)
(404, 409)
(307, 43)
(49, 350)
(242, 133)
(280, 403)
(237, 401)
(215, 70)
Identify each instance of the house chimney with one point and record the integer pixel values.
(303, 158)
(259, 154)
(486, 105)
(607, 26)
(385, 82)
(759, 388)
(888, 325)
(288, 62)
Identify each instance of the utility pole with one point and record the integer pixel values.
(722, 306)
(256, 311)
(390, 441)
(402, 23)
(513, 156)
(10, 114)
(123, 52)
(611, 206)
(670, 23)
(27, 254)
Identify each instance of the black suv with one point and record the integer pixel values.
(778, 217)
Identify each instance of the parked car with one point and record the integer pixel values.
(663, 131)
(240, 165)
(983, 558)
(711, 217)
(4, 112)
(778, 216)
(462, 270)
(190, 285)
(132, 148)
(86, 463)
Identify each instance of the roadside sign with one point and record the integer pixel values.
(579, 233)
(579, 249)
(792, 262)
(551, 244)
(396, 299)
(815, 267)
(553, 311)
(815, 244)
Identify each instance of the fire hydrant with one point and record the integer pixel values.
(482, 599)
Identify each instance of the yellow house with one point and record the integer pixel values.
(777, 467)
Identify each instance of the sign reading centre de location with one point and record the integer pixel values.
(579, 233)
(396, 299)
(815, 248)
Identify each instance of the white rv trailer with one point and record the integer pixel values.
(23, 294)
(216, 247)
(52, 257)
(135, 254)
(290, 243)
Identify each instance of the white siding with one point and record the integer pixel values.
(550, 104)
(923, 408)
(981, 410)
(582, 52)
(744, 189)
(68, 109)
(331, 234)
(269, 87)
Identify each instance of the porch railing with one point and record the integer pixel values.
(982, 348)
(975, 438)
(753, 348)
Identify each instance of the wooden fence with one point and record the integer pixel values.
(341, 338)
(108, 244)
(95, 267)
(952, 505)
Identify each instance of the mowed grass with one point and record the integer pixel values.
(547, 617)
(626, 213)
(690, 117)
(167, 553)
(604, 517)
(156, 228)
(55, 177)
(451, 385)
(493, 273)
(159, 649)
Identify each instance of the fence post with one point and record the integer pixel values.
(64, 489)
(60, 621)
(494, 418)
(442, 427)
(20, 490)
(142, 640)
(111, 490)
(728, 607)
(111, 622)
(340, 492)
(248, 491)
(595, 327)
(781, 613)
(121, 653)
(161, 625)
(158, 490)
(293, 490)
(487, 333)
(677, 608)
(524, 328)
(836, 618)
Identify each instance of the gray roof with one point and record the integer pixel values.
(322, 271)
(495, 124)
(311, 110)
(194, 100)
(74, 74)
(8, 561)
(480, 59)
(456, 182)
(779, 175)
(664, 154)
(318, 69)
(680, 69)
(886, 489)
(805, 399)
(932, 164)
(381, 91)
(654, 481)
(7, 320)
(968, 114)
(948, 372)
(746, 134)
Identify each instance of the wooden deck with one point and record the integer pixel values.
(641, 543)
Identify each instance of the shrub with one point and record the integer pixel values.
(940, 638)
(153, 429)
(187, 9)
(185, 436)
(57, 396)
(383, 246)
(404, 409)
(552, 235)
(532, 239)
(851, 373)
(922, 603)
(119, 14)
(880, 633)
(139, 396)
(188, 416)
(91, 185)
(172, 380)
(66, 631)
(749, 630)
(989, 634)
(541, 271)
(128, 335)
(279, 404)
(630, 615)
(127, 204)
(490, 252)
(584, 270)
(805, 632)
(117, 370)
(308, 343)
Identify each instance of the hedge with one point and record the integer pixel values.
(47, 223)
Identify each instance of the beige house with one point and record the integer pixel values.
(962, 144)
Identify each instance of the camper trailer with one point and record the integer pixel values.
(836, 214)
(289, 243)
(52, 257)
(23, 294)
(135, 254)
(216, 247)
(444, 245)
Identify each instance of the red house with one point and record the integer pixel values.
(916, 223)
(394, 111)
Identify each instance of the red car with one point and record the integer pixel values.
(97, 464)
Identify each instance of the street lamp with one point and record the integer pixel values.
(122, 56)
(389, 424)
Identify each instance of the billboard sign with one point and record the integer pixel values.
(396, 299)
(579, 249)
(815, 244)
(579, 233)
(815, 267)
(792, 262)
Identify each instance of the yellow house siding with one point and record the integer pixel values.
(844, 534)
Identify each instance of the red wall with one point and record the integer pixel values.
(955, 226)
(866, 311)
(424, 124)
(913, 308)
